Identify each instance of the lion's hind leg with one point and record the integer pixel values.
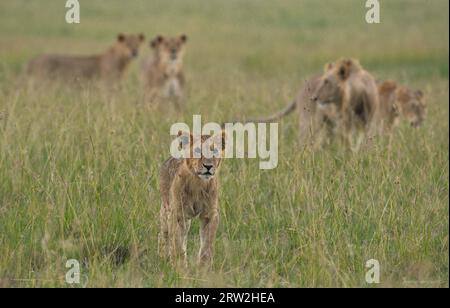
(163, 236)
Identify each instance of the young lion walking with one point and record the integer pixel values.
(189, 188)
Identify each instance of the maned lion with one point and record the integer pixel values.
(109, 65)
(189, 188)
(397, 101)
(162, 73)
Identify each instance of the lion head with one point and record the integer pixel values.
(411, 105)
(169, 50)
(127, 45)
(332, 88)
(202, 157)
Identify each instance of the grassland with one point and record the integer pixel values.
(78, 167)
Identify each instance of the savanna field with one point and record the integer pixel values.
(79, 165)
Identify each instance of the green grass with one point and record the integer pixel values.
(79, 167)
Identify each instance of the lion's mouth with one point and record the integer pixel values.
(205, 175)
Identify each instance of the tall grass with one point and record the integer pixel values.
(79, 166)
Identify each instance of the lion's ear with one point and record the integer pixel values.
(186, 140)
(419, 93)
(328, 67)
(156, 41)
(219, 140)
(346, 67)
(141, 37)
(344, 70)
(183, 38)
(120, 37)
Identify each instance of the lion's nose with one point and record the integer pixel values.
(173, 54)
(208, 166)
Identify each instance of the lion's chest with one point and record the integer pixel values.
(171, 87)
(194, 209)
(193, 200)
(199, 202)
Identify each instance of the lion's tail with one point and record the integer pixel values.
(274, 117)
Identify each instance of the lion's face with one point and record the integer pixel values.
(169, 50)
(330, 87)
(128, 45)
(205, 154)
(412, 106)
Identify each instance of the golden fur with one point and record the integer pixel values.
(189, 188)
(109, 65)
(315, 124)
(162, 73)
(354, 94)
(343, 100)
(397, 101)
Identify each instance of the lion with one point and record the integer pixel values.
(354, 92)
(109, 65)
(189, 188)
(398, 101)
(315, 124)
(342, 101)
(162, 72)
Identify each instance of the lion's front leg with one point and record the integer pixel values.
(178, 231)
(184, 235)
(355, 138)
(208, 228)
(163, 236)
(179, 102)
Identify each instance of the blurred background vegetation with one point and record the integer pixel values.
(79, 167)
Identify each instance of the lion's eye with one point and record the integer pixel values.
(198, 150)
(326, 81)
(184, 140)
(215, 151)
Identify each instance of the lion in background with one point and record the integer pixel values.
(399, 101)
(109, 65)
(162, 72)
(342, 101)
(354, 92)
(316, 125)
